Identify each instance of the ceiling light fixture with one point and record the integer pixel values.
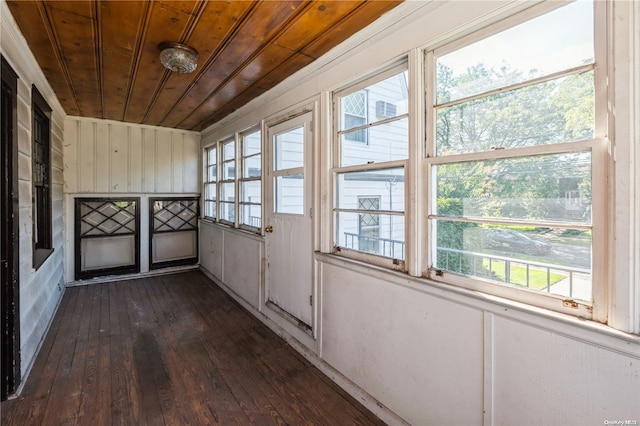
(177, 57)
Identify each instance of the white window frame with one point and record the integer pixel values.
(337, 169)
(597, 146)
(241, 179)
(238, 160)
(222, 162)
(210, 182)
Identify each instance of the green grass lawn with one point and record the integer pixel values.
(537, 277)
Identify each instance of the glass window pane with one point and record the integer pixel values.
(251, 144)
(210, 191)
(227, 191)
(251, 215)
(210, 209)
(546, 187)
(289, 149)
(227, 211)
(253, 166)
(556, 111)
(212, 173)
(386, 185)
(372, 233)
(385, 142)
(211, 156)
(228, 170)
(289, 194)
(559, 40)
(251, 191)
(380, 101)
(229, 152)
(548, 260)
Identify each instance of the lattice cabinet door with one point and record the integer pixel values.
(173, 232)
(107, 236)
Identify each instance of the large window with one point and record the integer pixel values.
(512, 154)
(509, 192)
(233, 186)
(372, 225)
(41, 172)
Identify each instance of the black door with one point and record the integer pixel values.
(10, 340)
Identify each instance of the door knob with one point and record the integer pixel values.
(268, 229)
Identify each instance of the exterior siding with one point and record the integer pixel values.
(40, 290)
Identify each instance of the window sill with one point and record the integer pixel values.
(40, 256)
(228, 228)
(577, 328)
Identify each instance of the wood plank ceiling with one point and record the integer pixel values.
(102, 57)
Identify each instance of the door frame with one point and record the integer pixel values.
(10, 293)
(309, 206)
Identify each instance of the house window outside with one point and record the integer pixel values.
(41, 172)
(250, 182)
(210, 185)
(354, 108)
(512, 135)
(375, 168)
(369, 225)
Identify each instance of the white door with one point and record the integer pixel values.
(288, 225)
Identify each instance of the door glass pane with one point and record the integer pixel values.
(289, 194)
(289, 149)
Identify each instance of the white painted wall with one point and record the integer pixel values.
(234, 258)
(104, 158)
(429, 353)
(41, 290)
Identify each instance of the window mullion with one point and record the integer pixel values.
(373, 124)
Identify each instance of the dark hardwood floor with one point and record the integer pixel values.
(172, 350)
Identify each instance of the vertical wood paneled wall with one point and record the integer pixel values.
(111, 157)
(108, 159)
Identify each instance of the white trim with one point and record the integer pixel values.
(414, 174)
(624, 98)
(558, 323)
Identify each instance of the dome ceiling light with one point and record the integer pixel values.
(178, 58)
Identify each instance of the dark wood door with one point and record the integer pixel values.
(10, 339)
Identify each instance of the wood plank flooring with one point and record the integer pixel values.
(171, 350)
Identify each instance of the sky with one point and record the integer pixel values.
(552, 42)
